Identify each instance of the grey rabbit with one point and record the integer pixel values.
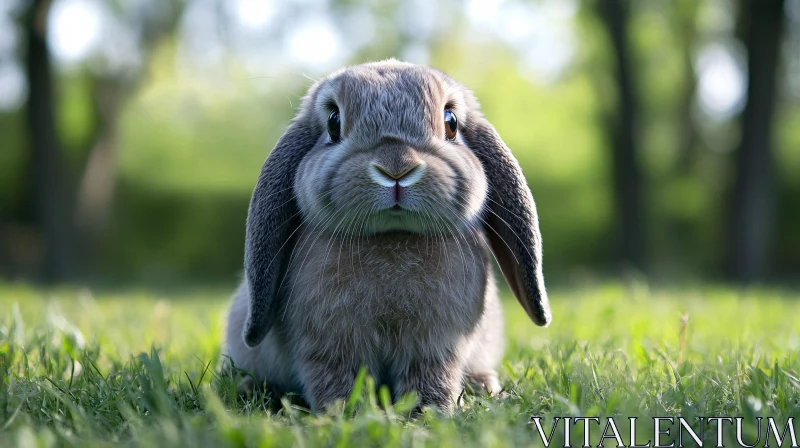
(368, 242)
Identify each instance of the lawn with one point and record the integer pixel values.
(138, 368)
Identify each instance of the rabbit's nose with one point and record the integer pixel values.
(405, 177)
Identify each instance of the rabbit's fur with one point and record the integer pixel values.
(416, 318)
(347, 267)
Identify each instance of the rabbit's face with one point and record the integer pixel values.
(392, 156)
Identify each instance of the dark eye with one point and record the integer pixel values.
(450, 124)
(334, 125)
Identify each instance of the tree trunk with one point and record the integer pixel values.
(686, 30)
(678, 228)
(752, 202)
(95, 194)
(623, 129)
(51, 206)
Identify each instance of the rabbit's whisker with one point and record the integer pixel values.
(510, 227)
(456, 233)
(298, 247)
(489, 198)
(346, 233)
(441, 230)
(341, 224)
(364, 233)
(326, 222)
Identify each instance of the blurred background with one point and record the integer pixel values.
(660, 138)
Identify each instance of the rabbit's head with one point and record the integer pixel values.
(391, 156)
(390, 146)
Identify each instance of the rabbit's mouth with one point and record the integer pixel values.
(395, 218)
(400, 218)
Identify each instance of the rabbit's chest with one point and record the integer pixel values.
(388, 289)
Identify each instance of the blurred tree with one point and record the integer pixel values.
(71, 213)
(48, 194)
(161, 121)
(623, 129)
(148, 23)
(680, 226)
(685, 20)
(751, 201)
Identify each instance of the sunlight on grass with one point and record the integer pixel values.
(143, 369)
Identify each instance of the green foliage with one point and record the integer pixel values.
(142, 369)
(190, 153)
(191, 141)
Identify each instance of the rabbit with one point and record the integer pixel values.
(368, 243)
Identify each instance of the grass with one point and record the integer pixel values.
(141, 369)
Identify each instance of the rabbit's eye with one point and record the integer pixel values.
(334, 125)
(450, 124)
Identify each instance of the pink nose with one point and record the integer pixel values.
(397, 190)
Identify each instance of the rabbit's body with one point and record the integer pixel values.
(420, 312)
(368, 242)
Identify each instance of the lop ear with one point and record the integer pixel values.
(271, 223)
(512, 224)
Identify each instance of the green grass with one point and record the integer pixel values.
(141, 369)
